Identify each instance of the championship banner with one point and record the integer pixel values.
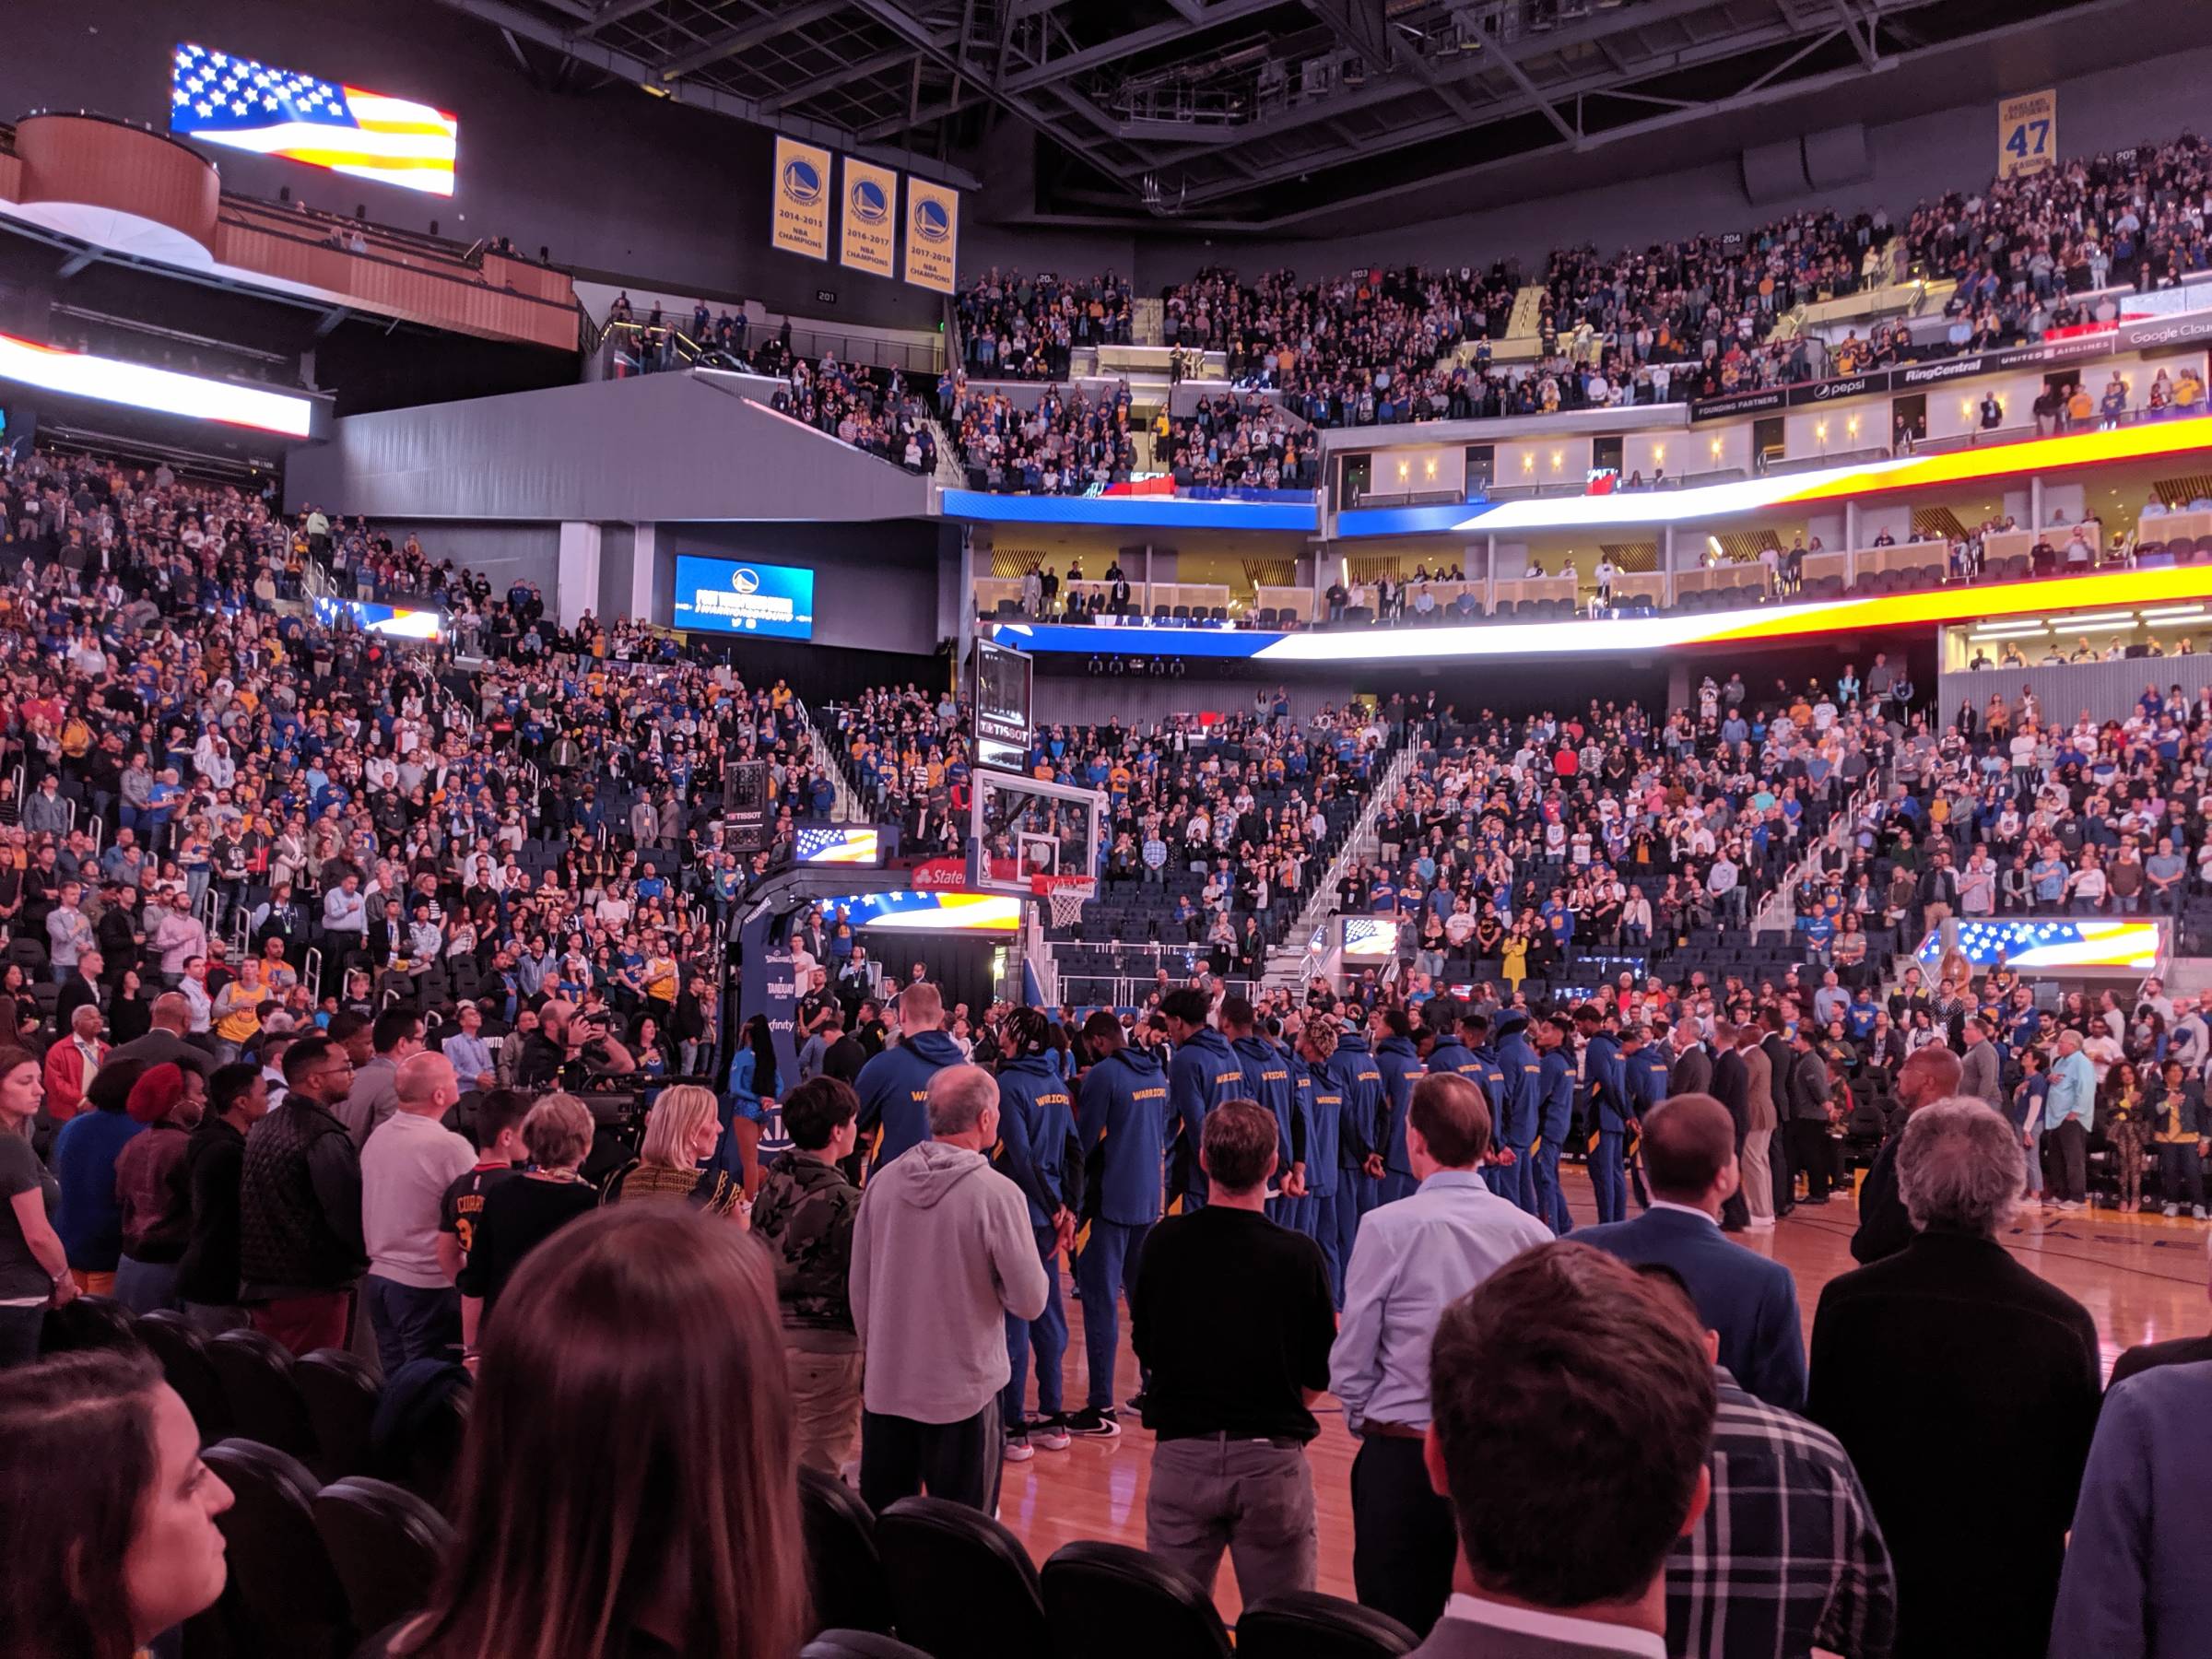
(800, 223)
(868, 238)
(933, 234)
(2026, 135)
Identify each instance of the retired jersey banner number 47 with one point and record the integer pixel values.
(2026, 135)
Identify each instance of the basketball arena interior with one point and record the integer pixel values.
(1038, 829)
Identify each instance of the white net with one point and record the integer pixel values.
(1066, 899)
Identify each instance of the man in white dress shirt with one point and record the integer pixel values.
(1574, 1407)
(1414, 1259)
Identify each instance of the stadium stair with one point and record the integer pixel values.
(1148, 325)
(1283, 960)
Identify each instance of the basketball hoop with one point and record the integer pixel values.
(1067, 895)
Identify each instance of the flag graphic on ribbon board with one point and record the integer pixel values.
(221, 98)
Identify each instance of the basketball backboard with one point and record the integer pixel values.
(1022, 827)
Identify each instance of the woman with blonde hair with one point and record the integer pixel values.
(649, 1337)
(681, 1133)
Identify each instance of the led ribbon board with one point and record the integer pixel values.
(221, 98)
(159, 391)
(2050, 945)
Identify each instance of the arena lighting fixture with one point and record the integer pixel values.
(2180, 621)
(2094, 619)
(2174, 613)
(162, 391)
(2019, 632)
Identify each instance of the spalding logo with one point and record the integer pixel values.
(802, 184)
(744, 580)
(932, 223)
(869, 205)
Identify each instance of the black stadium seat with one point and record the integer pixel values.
(963, 1586)
(182, 1352)
(386, 1545)
(1304, 1624)
(844, 1568)
(264, 1401)
(340, 1393)
(1105, 1601)
(285, 1596)
(858, 1644)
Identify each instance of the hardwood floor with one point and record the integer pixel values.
(2142, 1277)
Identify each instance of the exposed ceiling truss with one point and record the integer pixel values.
(1236, 110)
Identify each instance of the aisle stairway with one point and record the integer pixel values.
(1148, 322)
(1528, 307)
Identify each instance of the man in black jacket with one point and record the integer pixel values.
(1951, 1368)
(1731, 1084)
(300, 1202)
(1809, 1112)
(1776, 1047)
(1928, 1073)
(238, 1098)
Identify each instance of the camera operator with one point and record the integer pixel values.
(569, 1051)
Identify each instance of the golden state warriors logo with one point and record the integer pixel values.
(802, 182)
(932, 223)
(744, 580)
(868, 203)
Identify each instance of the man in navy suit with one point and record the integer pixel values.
(1689, 1153)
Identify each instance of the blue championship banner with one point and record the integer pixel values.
(799, 204)
(933, 234)
(868, 234)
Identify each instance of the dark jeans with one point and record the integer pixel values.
(20, 1331)
(1808, 1151)
(900, 1458)
(1403, 1541)
(2066, 1161)
(1106, 1270)
(2181, 1175)
(411, 1323)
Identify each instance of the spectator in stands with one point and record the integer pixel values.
(125, 1548)
(374, 1095)
(1884, 1227)
(683, 1131)
(409, 1163)
(941, 1256)
(34, 1267)
(214, 1161)
(1690, 1157)
(1231, 1315)
(1971, 1336)
(520, 1215)
(1574, 1405)
(1411, 1262)
(300, 1251)
(156, 1210)
(806, 1214)
(90, 1219)
(650, 1334)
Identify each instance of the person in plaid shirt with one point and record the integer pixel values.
(1788, 1555)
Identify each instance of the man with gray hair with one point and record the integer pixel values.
(1950, 1366)
(942, 1255)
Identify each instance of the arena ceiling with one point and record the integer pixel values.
(1242, 111)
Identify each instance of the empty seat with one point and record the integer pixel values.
(264, 1401)
(386, 1545)
(421, 1419)
(844, 1568)
(182, 1352)
(963, 1586)
(1181, 613)
(1107, 1600)
(340, 1393)
(285, 1596)
(1304, 1624)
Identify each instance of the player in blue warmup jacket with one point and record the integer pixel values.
(1518, 1109)
(1265, 1067)
(1644, 1073)
(1203, 1073)
(1606, 1112)
(1365, 1120)
(1554, 1117)
(1400, 1063)
(1036, 1112)
(1120, 1117)
(894, 1085)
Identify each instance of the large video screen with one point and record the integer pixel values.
(720, 595)
(221, 98)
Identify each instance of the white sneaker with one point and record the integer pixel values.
(2197, 1212)
(1019, 1448)
(1050, 1434)
(1762, 1224)
(2174, 1209)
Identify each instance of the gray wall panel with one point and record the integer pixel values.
(663, 446)
(504, 552)
(2108, 690)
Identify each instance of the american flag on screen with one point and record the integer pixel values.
(221, 98)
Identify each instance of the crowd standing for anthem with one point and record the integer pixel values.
(324, 952)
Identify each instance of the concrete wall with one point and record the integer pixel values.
(505, 552)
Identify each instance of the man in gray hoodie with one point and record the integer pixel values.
(942, 1254)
